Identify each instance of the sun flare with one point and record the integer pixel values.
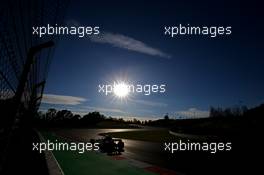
(121, 90)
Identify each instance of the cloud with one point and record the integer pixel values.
(150, 103)
(82, 109)
(193, 113)
(62, 99)
(122, 41)
(128, 43)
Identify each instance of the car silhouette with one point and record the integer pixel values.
(109, 145)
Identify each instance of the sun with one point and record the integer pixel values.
(121, 90)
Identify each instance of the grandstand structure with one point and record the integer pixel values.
(25, 58)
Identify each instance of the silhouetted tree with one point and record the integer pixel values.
(93, 118)
(51, 114)
(166, 117)
(63, 115)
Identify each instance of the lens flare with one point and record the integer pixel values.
(121, 90)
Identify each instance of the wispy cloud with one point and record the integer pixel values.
(122, 41)
(128, 43)
(150, 103)
(62, 99)
(193, 113)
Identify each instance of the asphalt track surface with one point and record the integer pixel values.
(240, 160)
(148, 152)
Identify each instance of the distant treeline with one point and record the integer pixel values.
(228, 112)
(220, 120)
(224, 122)
(65, 118)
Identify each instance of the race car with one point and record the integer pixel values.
(110, 145)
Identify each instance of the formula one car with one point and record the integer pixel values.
(110, 145)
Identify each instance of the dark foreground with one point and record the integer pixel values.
(243, 157)
(18, 157)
